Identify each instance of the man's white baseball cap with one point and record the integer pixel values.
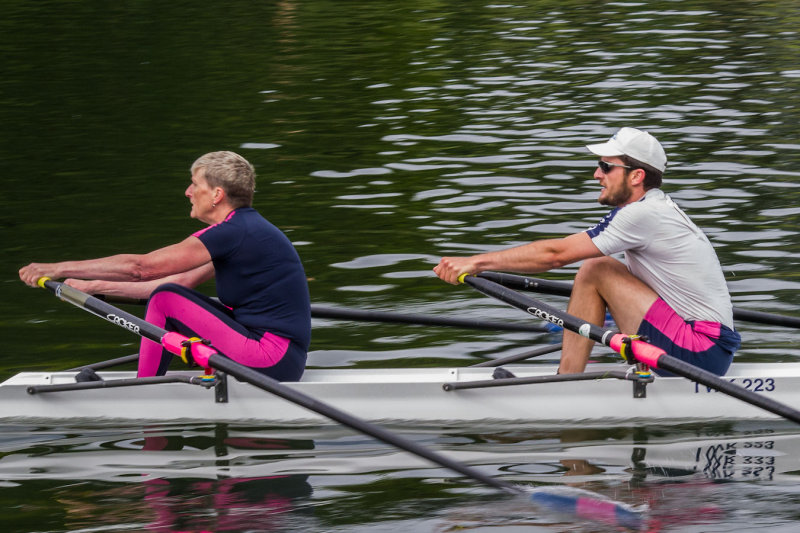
(634, 143)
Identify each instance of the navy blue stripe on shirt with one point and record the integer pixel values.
(603, 224)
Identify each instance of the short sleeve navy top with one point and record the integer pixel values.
(259, 275)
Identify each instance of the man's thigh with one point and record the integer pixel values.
(627, 297)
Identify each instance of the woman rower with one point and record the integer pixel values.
(262, 319)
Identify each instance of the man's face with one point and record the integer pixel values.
(616, 189)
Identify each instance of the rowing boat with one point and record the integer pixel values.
(352, 397)
(608, 392)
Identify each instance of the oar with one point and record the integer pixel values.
(109, 363)
(339, 313)
(207, 356)
(761, 317)
(642, 351)
(564, 288)
(425, 320)
(536, 352)
(524, 283)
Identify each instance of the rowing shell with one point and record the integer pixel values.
(414, 394)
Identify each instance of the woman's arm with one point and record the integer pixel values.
(141, 290)
(174, 259)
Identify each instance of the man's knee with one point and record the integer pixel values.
(598, 268)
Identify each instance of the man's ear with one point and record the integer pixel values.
(638, 176)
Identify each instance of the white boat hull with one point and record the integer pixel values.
(408, 395)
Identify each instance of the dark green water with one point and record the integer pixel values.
(385, 135)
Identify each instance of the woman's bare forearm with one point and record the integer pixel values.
(142, 289)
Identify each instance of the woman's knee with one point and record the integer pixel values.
(169, 287)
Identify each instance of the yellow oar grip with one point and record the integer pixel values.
(462, 276)
(40, 281)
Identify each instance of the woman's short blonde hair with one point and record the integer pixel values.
(232, 172)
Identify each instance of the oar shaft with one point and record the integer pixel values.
(337, 313)
(539, 309)
(564, 288)
(104, 310)
(759, 317)
(109, 363)
(424, 320)
(524, 283)
(521, 356)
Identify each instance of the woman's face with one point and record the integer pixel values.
(202, 197)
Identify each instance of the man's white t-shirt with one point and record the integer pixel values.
(668, 252)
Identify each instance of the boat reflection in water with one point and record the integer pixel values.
(232, 477)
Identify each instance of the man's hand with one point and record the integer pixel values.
(450, 268)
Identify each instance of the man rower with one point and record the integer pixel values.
(672, 290)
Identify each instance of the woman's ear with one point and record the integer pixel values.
(219, 195)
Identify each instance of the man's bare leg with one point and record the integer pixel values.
(603, 283)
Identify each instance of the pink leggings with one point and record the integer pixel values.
(176, 308)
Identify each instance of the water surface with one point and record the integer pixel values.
(385, 136)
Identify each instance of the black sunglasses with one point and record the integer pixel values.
(606, 166)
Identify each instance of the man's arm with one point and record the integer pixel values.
(538, 256)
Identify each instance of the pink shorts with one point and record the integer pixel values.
(708, 345)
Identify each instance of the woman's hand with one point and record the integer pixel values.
(83, 285)
(30, 274)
